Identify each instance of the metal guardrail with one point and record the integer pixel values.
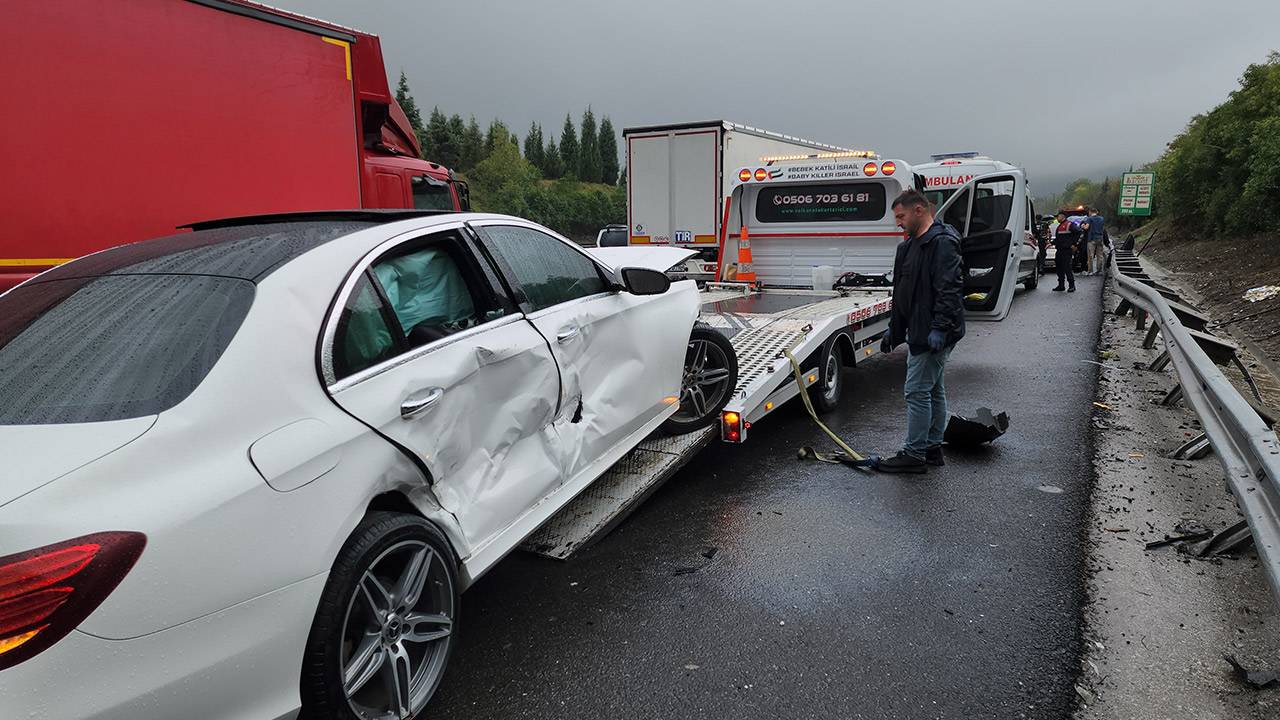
(1248, 450)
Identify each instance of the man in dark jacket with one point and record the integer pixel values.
(928, 315)
(1066, 242)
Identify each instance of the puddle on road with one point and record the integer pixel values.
(1051, 489)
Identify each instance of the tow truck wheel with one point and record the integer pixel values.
(710, 376)
(825, 394)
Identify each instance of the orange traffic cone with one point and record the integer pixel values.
(746, 272)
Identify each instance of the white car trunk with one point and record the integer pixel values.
(36, 455)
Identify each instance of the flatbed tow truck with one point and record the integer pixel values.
(794, 224)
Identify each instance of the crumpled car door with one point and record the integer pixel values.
(472, 396)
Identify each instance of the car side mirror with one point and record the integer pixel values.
(643, 281)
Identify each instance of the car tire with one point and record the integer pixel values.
(1032, 280)
(825, 393)
(377, 565)
(709, 379)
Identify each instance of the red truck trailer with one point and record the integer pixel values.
(125, 120)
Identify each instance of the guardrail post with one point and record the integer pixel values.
(1150, 340)
(1140, 318)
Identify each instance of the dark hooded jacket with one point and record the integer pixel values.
(928, 284)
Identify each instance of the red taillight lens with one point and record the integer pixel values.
(744, 175)
(869, 169)
(45, 593)
(888, 168)
(762, 174)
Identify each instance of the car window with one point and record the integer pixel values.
(428, 292)
(363, 338)
(112, 347)
(549, 271)
(992, 205)
(957, 213)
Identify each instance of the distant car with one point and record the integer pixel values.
(250, 468)
(613, 236)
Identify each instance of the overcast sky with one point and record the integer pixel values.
(1064, 89)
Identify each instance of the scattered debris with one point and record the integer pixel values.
(1254, 678)
(1116, 529)
(1262, 292)
(983, 427)
(1107, 354)
(1051, 489)
(709, 553)
(1084, 694)
(691, 666)
(1187, 531)
(1136, 455)
(1104, 406)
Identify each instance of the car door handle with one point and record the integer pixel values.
(568, 333)
(420, 401)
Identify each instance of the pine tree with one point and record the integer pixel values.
(472, 145)
(533, 146)
(406, 102)
(589, 149)
(457, 139)
(608, 152)
(552, 165)
(436, 146)
(569, 147)
(496, 133)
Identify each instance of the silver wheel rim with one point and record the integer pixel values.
(832, 372)
(396, 633)
(705, 386)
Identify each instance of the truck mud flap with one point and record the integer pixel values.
(609, 500)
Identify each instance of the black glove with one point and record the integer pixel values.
(937, 340)
(886, 345)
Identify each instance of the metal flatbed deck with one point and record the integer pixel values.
(760, 326)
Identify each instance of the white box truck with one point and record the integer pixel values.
(679, 175)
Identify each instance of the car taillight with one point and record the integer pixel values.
(888, 168)
(732, 427)
(762, 174)
(45, 593)
(869, 169)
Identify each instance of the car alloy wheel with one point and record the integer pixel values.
(396, 634)
(710, 376)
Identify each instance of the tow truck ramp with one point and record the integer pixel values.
(760, 326)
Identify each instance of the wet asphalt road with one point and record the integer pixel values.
(828, 593)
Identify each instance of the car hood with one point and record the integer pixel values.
(661, 259)
(35, 455)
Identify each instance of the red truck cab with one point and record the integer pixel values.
(128, 120)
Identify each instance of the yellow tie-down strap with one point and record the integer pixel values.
(33, 262)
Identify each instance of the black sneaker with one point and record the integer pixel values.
(933, 456)
(902, 463)
(1059, 289)
(1071, 289)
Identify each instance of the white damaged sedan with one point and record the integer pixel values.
(249, 469)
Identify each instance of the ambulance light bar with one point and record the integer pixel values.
(821, 156)
(947, 156)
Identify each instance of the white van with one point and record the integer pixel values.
(798, 215)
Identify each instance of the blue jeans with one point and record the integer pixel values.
(926, 401)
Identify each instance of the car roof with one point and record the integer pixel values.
(247, 248)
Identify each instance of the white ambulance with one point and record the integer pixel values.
(946, 173)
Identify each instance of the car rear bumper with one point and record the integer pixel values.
(240, 663)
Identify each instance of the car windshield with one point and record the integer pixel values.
(112, 347)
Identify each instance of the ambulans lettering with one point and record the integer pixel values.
(950, 181)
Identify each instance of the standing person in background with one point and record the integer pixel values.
(1066, 241)
(928, 315)
(1093, 235)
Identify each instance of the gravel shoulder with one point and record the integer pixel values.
(1157, 622)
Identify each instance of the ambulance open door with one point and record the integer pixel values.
(989, 213)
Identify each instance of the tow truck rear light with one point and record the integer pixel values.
(45, 593)
(761, 174)
(888, 168)
(744, 175)
(869, 169)
(732, 427)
